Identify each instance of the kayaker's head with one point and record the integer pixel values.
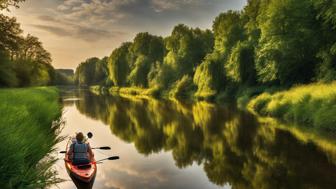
(79, 137)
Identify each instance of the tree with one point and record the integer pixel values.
(7, 74)
(288, 42)
(148, 45)
(240, 67)
(10, 32)
(147, 51)
(186, 49)
(85, 72)
(326, 16)
(32, 49)
(118, 65)
(228, 30)
(4, 4)
(138, 76)
(209, 76)
(101, 72)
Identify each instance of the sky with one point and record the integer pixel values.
(74, 30)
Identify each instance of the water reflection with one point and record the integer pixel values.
(230, 145)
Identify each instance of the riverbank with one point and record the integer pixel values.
(29, 126)
(311, 105)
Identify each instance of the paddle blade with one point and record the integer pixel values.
(105, 148)
(113, 158)
(89, 135)
(62, 152)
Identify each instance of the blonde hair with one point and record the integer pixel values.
(80, 137)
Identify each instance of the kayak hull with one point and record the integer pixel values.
(84, 173)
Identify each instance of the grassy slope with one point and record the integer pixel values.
(27, 136)
(312, 105)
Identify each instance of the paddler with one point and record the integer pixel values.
(80, 152)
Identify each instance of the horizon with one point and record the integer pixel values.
(93, 28)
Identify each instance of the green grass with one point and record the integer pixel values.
(135, 91)
(29, 123)
(312, 105)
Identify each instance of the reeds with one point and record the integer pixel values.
(29, 125)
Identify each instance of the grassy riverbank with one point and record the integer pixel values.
(312, 105)
(134, 91)
(28, 134)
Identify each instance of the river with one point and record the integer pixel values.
(172, 144)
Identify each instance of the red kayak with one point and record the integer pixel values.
(85, 173)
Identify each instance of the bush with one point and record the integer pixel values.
(312, 105)
(182, 88)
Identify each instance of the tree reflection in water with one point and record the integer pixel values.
(232, 146)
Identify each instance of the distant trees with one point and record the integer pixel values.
(64, 77)
(273, 42)
(92, 72)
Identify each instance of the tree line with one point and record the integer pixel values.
(269, 42)
(23, 59)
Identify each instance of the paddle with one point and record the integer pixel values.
(109, 158)
(100, 161)
(96, 148)
(103, 148)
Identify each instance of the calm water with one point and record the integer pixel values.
(170, 144)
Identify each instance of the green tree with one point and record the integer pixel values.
(186, 48)
(101, 72)
(288, 42)
(10, 35)
(118, 64)
(240, 67)
(147, 50)
(138, 76)
(326, 16)
(85, 72)
(209, 76)
(228, 30)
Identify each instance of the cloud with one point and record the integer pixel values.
(169, 5)
(90, 19)
(65, 29)
(54, 30)
(81, 32)
(105, 24)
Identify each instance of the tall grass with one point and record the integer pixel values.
(312, 105)
(29, 122)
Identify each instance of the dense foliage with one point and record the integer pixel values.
(64, 77)
(91, 72)
(23, 60)
(269, 42)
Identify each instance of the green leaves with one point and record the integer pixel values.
(23, 61)
(91, 72)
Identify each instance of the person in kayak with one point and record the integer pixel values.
(80, 152)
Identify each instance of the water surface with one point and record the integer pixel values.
(172, 144)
